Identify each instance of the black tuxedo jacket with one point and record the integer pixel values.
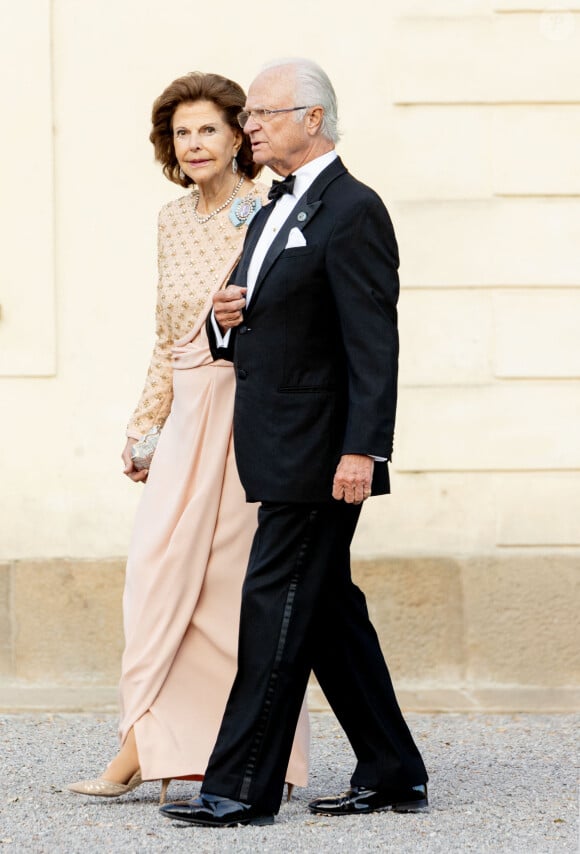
(316, 355)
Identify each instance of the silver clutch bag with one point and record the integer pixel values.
(143, 450)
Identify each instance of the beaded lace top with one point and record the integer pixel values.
(191, 259)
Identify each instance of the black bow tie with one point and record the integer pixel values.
(278, 188)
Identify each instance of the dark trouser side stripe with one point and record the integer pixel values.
(285, 624)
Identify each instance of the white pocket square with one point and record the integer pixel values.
(295, 238)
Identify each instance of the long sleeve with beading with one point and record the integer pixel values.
(155, 401)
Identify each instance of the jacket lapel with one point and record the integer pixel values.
(298, 218)
(302, 214)
(252, 237)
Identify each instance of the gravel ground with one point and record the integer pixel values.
(498, 784)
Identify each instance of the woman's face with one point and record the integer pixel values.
(204, 142)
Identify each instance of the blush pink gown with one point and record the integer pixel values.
(185, 570)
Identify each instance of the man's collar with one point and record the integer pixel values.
(306, 174)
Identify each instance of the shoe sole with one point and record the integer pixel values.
(411, 807)
(259, 821)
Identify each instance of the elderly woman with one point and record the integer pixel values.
(193, 529)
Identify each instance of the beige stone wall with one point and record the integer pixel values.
(460, 633)
(464, 115)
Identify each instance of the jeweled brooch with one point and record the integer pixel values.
(243, 211)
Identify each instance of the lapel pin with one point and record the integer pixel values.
(302, 216)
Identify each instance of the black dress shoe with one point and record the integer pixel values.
(358, 801)
(214, 811)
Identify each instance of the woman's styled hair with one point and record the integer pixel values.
(227, 96)
(313, 87)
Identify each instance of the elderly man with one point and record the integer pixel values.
(311, 326)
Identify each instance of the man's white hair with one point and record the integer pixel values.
(313, 88)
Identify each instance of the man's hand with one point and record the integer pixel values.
(228, 305)
(353, 478)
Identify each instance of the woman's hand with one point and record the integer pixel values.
(130, 470)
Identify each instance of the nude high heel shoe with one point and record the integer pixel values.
(100, 788)
(290, 788)
(164, 786)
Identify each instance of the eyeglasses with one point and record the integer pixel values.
(263, 115)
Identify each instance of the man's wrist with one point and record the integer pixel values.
(222, 337)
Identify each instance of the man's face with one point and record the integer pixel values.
(281, 142)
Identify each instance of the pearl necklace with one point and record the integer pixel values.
(202, 219)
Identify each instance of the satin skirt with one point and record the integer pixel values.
(187, 562)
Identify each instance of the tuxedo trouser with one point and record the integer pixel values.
(301, 612)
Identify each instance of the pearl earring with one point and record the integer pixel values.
(234, 164)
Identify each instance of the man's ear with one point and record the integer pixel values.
(314, 118)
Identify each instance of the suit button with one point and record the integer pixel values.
(242, 374)
(243, 329)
